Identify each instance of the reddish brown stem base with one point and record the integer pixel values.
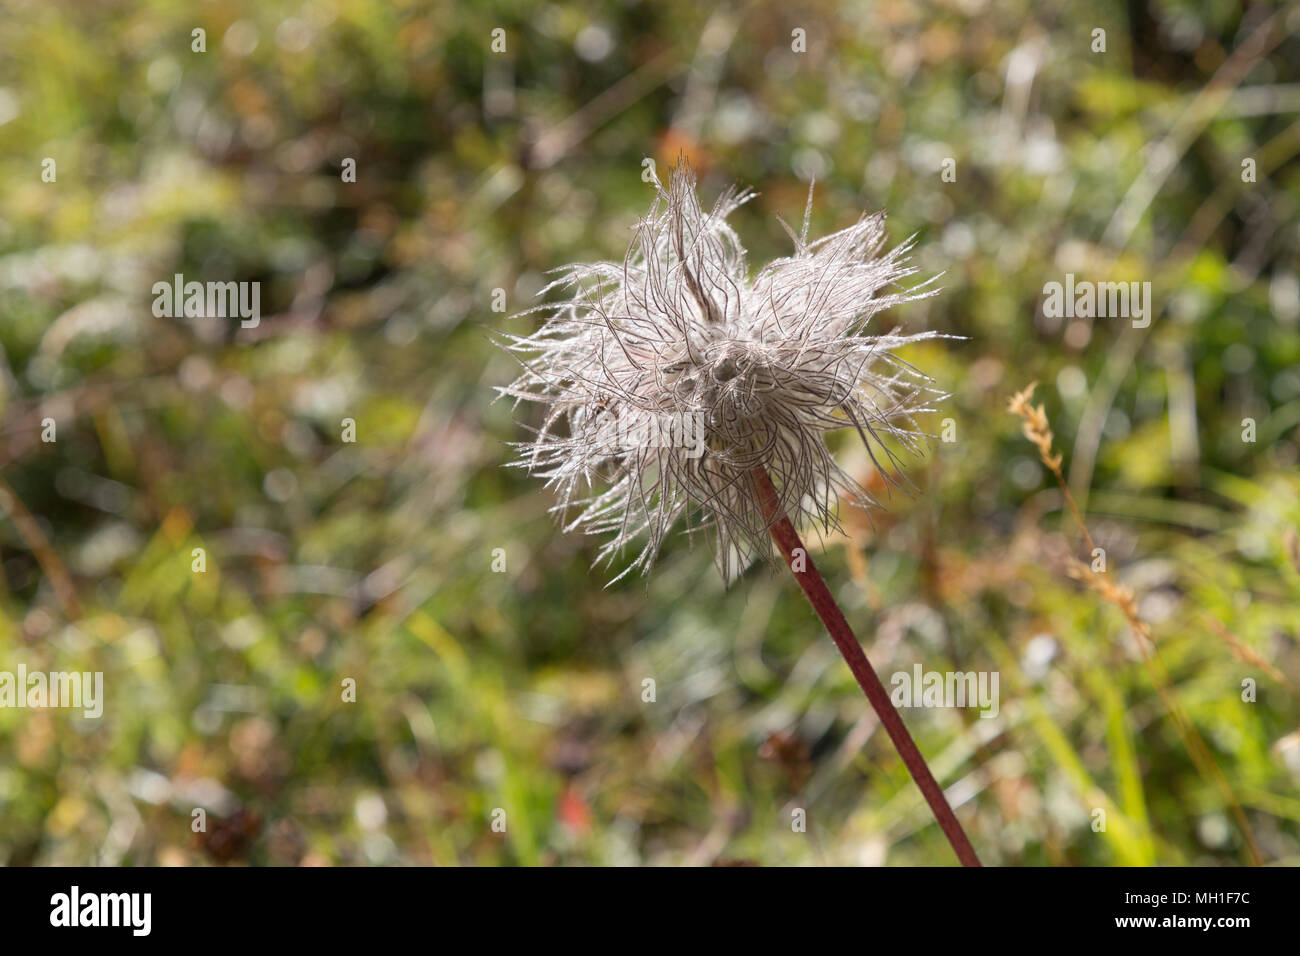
(819, 595)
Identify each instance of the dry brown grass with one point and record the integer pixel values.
(1038, 430)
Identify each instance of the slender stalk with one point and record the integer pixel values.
(819, 595)
(29, 529)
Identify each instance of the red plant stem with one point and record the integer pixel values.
(819, 595)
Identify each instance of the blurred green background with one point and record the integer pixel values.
(371, 560)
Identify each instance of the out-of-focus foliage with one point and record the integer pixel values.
(523, 690)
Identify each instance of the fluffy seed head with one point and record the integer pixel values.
(667, 378)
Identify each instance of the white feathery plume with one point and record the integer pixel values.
(669, 377)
